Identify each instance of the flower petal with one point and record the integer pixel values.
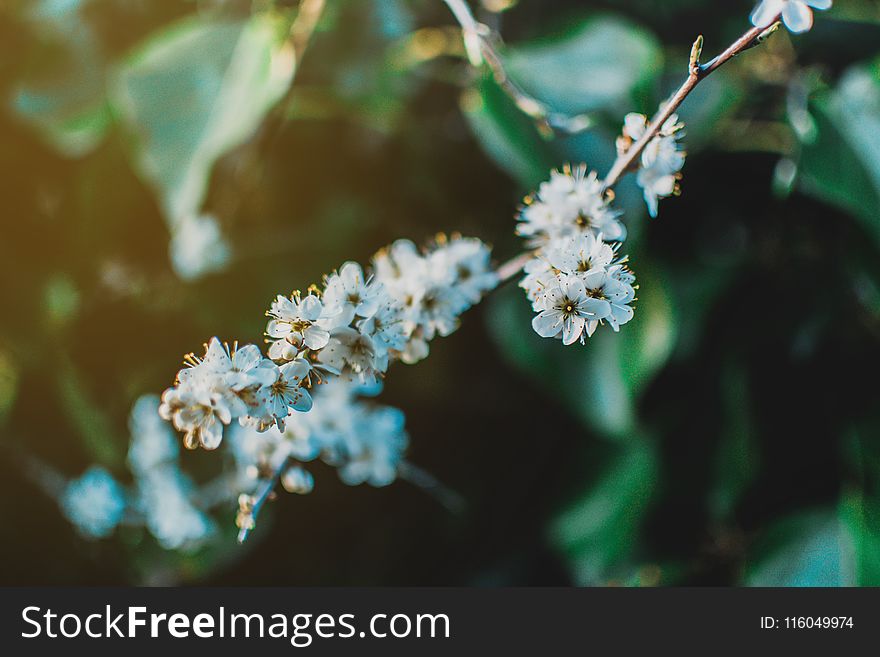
(797, 16)
(766, 12)
(547, 324)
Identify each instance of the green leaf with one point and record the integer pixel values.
(842, 167)
(598, 65)
(736, 461)
(808, 549)
(596, 533)
(861, 517)
(508, 136)
(194, 92)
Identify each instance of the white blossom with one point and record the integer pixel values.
(94, 503)
(661, 161)
(226, 385)
(796, 14)
(577, 284)
(571, 203)
(198, 247)
(347, 294)
(298, 323)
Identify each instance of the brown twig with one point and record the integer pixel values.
(697, 72)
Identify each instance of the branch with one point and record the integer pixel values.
(451, 500)
(249, 506)
(696, 73)
(480, 49)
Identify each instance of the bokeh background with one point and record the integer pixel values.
(166, 172)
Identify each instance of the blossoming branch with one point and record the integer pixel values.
(346, 332)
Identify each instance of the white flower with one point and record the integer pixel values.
(297, 480)
(660, 162)
(382, 443)
(199, 412)
(198, 247)
(539, 276)
(565, 309)
(579, 255)
(288, 391)
(152, 443)
(571, 203)
(164, 499)
(223, 386)
(348, 294)
(297, 323)
(386, 326)
(466, 262)
(94, 503)
(350, 350)
(796, 14)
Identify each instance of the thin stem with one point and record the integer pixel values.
(480, 49)
(265, 490)
(696, 73)
(451, 500)
(512, 267)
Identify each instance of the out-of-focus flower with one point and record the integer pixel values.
(94, 503)
(164, 499)
(198, 247)
(661, 161)
(796, 14)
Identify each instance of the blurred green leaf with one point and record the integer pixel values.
(736, 459)
(89, 420)
(596, 532)
(861, 517)
(8, 384)
(807, 549)
(596, 65)
(194, 92)
(843, 165)
(507, 135)
(63, 95)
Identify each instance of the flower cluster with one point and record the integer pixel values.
(661, 161)
(796, 14)
(363, 440)
(351, 327)
(571, 203)
(162, 498)
(576, 281)
(237, 383)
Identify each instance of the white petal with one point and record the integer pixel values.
(303, 401)
(596, 308)
(310, 308)
(766, 12)
(315, 337)
(572, 330)
(276, 329)
(247, 357)
(819, 4)
(547, 324)
(797, 16)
